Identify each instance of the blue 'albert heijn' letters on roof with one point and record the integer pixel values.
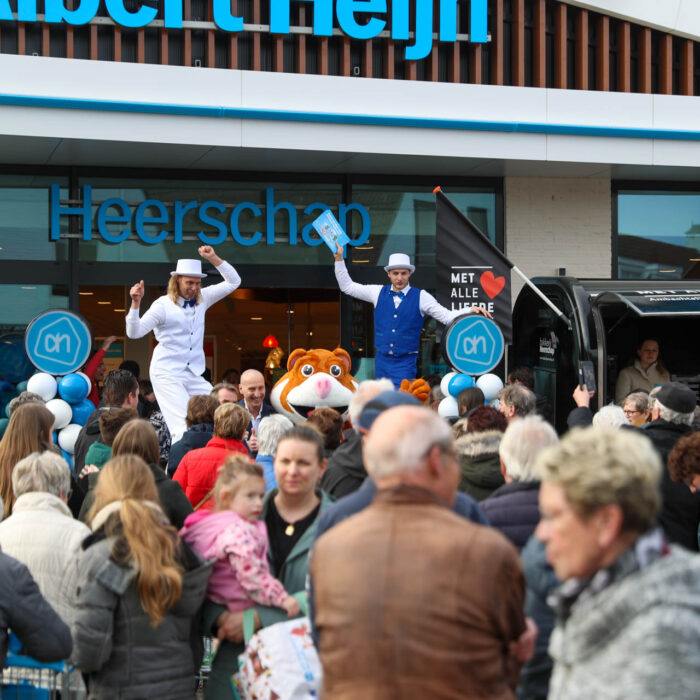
(58, 341)
(351, 15)
(474, 344)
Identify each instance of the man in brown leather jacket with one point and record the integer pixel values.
(410, 600)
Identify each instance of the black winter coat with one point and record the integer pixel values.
(680, 512)
(197, 436)
(513, 509)
(346, 470)
(44, 635)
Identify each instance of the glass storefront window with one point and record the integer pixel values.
(24, 218)
(255, 223)
(658, 234)
(27, 301)
(403, 219)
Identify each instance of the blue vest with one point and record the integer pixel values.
(397, 330)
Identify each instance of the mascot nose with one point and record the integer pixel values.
(323, 387)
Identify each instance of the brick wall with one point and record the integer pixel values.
(558, 222)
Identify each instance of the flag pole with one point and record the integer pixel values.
(539, 293)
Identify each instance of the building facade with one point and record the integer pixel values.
(567, 131)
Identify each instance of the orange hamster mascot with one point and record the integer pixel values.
(314, 378)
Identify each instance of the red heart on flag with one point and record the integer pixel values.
(493, 286)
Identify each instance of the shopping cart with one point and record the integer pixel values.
(25, 678)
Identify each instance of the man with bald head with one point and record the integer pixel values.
(252, 388)
(409, 599)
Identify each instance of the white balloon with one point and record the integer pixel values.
(43, 384)
(490, 384)
(444, 384)
(88, 383)
(448, 407)
(68, 436)
(495, 403)
(62, 412)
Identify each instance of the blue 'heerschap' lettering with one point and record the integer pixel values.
(224, 19)
(323, 16)
(271, 209)
(308, 233)
(141, 218)
(448, 20)
(343, 210)
(235, 232)
(173, 14)
(143, 16)
(346, 11)
(218, 225)
(56, 211)
(477, 22)
(179, 211)
(56, 11)
(103, 219)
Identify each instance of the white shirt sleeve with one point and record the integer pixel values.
(216, 292)
(364, 292)
(138, 327)
(429, 307)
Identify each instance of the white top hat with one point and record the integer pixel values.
(399, 261)
(189, 268)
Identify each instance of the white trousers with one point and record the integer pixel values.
(173, 391)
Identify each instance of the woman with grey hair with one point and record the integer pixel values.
(270, 430)
(41, 532)
(628, 613)
(637, 408)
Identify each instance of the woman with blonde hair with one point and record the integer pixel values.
(139, 592)
(28, 431)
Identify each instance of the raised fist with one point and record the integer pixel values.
(136, 292)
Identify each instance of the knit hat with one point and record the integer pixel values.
(676, 396)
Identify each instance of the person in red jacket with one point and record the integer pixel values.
(198, 469)
(94, 369)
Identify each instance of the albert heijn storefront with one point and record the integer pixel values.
(131, 134)
(84, 251)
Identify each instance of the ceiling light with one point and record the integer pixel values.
(86, 294)
(673, 269)
(256, 318)
(28, 287)
(358, 262)
(364, 247)
(104, 302)
(118, 309)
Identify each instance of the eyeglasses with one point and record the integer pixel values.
(630, 413)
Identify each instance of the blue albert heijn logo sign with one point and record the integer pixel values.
(473, 344)
(58, 341)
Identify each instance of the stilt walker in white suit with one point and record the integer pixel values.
(177, 321)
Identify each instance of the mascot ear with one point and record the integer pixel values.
(344, 357)
(295, 357)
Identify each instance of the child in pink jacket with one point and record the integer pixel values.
(234, 536)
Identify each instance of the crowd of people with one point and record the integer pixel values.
(486, 557)
(483, 557)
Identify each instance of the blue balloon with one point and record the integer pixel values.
(68, 458)
(459, 383)
(6, 386)
(73, 388)
(54, 437)
(6, 409)
(82, 411)
(15, 365)
(3, 425)
(22, 386)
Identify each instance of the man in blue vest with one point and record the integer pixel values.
(399, 311)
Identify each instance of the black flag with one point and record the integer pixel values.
(470, 269)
